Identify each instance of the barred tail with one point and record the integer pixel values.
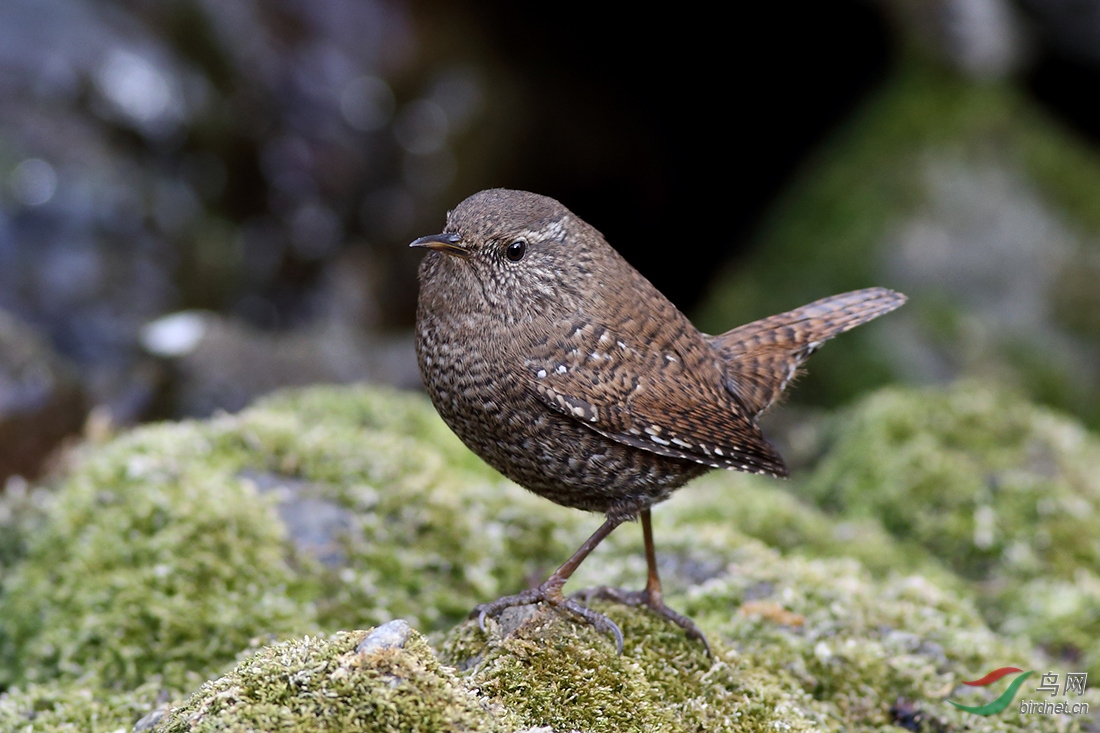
(763, 356)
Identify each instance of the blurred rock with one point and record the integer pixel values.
(41, 401)
(984, 39)
(988, 242)
(216, 155)
(228, 155)
(967, 197)
(221, 363)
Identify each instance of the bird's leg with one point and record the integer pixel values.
(550, 591)
(651, 596)
(654, 598)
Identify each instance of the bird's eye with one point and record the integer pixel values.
(516, 250)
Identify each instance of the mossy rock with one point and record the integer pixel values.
(154, 560)
(1005, 494)
(339, 684)
(798, 645)
(76, 707)
(172, 548)
(180, 553)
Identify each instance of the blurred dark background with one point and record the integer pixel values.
(202, 200)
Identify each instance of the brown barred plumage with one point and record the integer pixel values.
(566, 370)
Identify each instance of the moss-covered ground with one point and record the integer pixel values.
(943, 534)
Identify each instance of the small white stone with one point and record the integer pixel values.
(175, 335)
(562, 369)
(541, 373)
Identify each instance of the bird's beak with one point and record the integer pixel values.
(447, 243)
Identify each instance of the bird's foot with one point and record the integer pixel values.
(653, 601)
(552, 595)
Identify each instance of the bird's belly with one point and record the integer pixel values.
(510, 428)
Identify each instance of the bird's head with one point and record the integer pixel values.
(512, 253)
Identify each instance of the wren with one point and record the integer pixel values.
(562, 367)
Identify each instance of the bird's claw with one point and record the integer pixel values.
(552, 596)
(653, 602)
(599, 622)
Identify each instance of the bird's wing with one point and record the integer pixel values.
(662, 394)
(763, 356)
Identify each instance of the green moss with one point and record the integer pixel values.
(861, 645)
(152, 561)
(373, 411)
(428, 530)
(554, 672)
(1004, 493)
(169, 550)
(319, 684)
(75, 706)
(799, 644)
(20, 514)
(775, 513)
